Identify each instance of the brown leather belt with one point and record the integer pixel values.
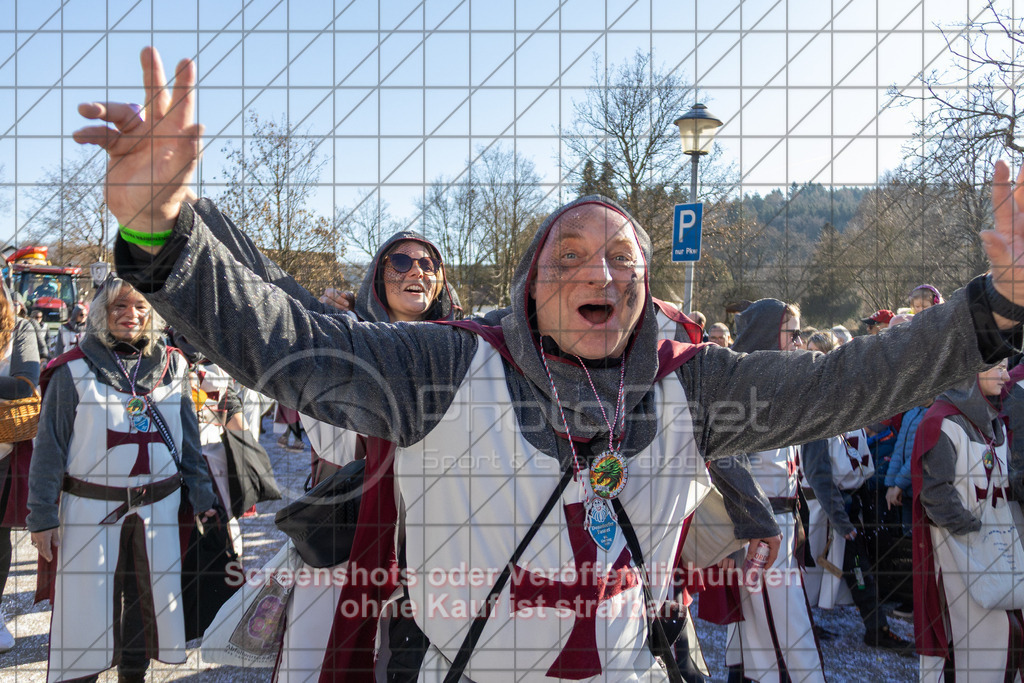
(132, 496)
(783, 504)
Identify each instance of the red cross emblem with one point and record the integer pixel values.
(140, 439)
(579, 658)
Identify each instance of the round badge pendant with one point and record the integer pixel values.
(135, 406)
(988, 459)
(608, 475)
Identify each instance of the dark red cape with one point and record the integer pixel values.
(930, 637)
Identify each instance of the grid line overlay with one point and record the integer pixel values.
(810, 98)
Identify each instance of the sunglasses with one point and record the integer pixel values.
(402, 263)
(793, 334)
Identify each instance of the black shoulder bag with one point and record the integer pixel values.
(322, 522)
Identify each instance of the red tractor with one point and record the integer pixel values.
(50, 289)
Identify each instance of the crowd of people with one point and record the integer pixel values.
(536, 481)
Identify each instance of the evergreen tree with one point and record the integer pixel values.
(832, 296)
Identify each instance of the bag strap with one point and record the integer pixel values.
(35, 389)
(476, 629)
(161, 426)
(656, 638)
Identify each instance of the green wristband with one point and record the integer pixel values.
(144, 239)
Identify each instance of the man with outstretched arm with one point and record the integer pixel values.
(553, 454)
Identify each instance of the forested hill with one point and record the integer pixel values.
(803, 209)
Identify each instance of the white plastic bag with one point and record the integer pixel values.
(991, 560)
(249, 628)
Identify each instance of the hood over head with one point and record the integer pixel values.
(757, 327)
(575, 394)
(975, 406)
(76, 325)
(370, 301)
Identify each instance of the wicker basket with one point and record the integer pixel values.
(19, 418)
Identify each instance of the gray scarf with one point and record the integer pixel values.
(99, 359)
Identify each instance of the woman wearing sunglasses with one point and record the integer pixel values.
(404, 283)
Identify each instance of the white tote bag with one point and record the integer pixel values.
(249, 627)
(991, 560)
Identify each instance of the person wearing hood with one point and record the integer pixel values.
(405, 282)
(543, 463)
(104, 492)
(70, 333)
(776, 633)
(961, 459)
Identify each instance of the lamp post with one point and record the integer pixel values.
(697, 129)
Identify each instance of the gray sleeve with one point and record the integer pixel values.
(939, 498)
(50, 451)
(245, 252)
(817, 465)
(746, 503)
(24, 362)
(390, 381)
(745, 403)
(193, 466)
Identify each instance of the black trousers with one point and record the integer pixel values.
(865, 589)
(5, 532)
(5, 556)
(862, 584)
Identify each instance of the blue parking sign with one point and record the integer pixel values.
(686, 228)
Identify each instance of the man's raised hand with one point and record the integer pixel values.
(1005, 243)
(153, 152)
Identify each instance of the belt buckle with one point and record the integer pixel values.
(134, 495)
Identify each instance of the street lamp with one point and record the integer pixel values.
(697, 129)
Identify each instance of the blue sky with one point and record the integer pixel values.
(399, 92)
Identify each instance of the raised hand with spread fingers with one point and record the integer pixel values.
(153, 150)
(1004, 244)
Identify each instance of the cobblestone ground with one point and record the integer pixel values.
(846, 657)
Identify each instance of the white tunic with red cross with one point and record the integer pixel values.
(985, 643)
(474, 486)
(106, 450)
